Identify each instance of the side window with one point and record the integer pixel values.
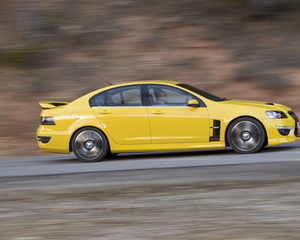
(168, 96)
(98, 100)
(124, 96)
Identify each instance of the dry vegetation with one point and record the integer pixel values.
(49, 50)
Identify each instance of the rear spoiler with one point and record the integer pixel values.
(51, 104)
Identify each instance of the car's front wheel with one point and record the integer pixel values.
(90, 145)
(246, 135)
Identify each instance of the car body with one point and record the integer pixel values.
(130, 117)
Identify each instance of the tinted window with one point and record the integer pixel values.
(201, 92)
(124, 96)
(98, 100)
(168, 96)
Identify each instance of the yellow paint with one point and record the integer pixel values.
(156, 128)
(178, 124)
(125, 125)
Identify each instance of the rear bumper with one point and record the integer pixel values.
(43, 139)
(52, 141)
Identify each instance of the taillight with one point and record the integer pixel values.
(47, 121)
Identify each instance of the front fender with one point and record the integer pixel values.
(253, 114)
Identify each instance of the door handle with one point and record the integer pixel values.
(104, 112)
(158, 112)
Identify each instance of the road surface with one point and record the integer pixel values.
(67, 171)
(188, 195)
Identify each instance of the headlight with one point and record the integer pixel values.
(276, 114)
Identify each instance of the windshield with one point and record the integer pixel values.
(201, 92)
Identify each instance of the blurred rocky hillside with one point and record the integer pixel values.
(49, 50)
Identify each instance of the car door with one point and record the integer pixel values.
(122, 113)
(174, 121)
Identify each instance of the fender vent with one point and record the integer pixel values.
(269, 103)
(216, 131)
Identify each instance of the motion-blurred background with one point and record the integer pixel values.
(49, 50)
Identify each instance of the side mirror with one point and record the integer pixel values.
(193, 103)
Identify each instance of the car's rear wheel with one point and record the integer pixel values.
(246, 135)
(90, 145)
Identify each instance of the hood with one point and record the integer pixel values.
(266, 105)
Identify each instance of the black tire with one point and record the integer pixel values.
(90, 145)
(246, 135)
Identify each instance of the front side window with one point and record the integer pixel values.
(201, 92)
(168, 96)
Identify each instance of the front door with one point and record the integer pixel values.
(171, 120)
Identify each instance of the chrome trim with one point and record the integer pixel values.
(280, 128)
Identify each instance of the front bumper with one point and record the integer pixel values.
(297, 123)
(284, 130)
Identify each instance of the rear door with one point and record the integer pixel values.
(123, 114)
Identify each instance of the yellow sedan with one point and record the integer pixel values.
(149, 116)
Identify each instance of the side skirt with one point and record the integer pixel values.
(115, 148)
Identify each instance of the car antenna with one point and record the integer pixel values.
(102, 79)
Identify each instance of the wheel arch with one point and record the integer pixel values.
(90, 126)
(231, 122)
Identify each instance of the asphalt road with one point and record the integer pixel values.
(66, 170)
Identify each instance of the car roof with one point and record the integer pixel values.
(148, 82)
(139, 82)
(88, 95)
